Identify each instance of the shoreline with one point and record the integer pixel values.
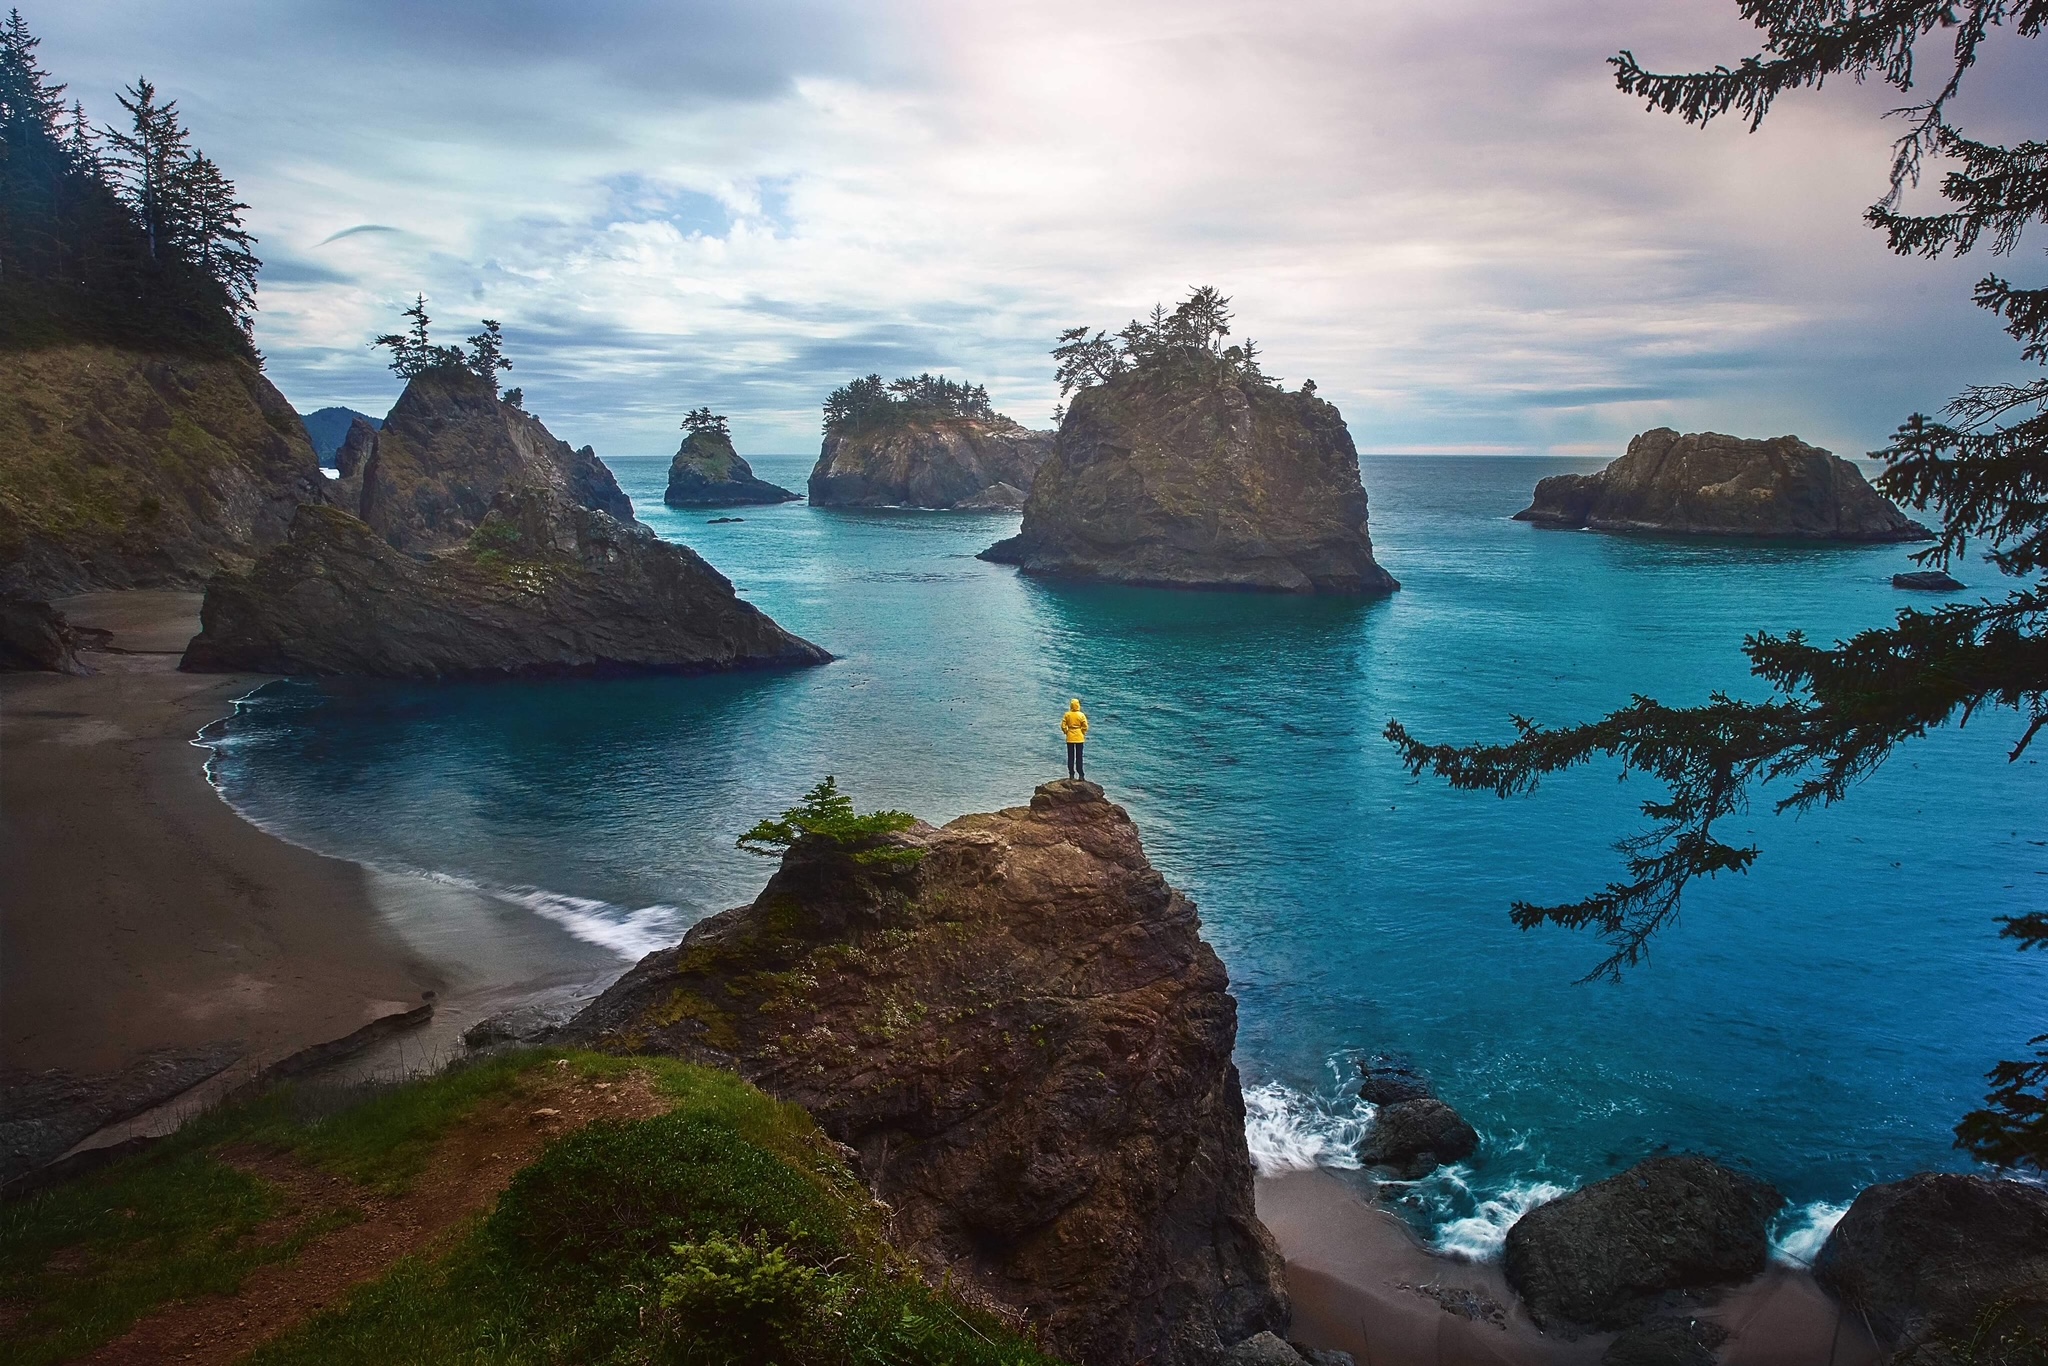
(160, 948)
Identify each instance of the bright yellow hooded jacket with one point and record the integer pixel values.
(1074, 724)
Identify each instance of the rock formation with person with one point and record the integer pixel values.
(923, 442)
(1015, 1024)
(123, 468)
(543, 587)
(427, 478)
(1708, 484)
(708, 473)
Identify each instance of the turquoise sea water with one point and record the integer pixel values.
(1822, 1021)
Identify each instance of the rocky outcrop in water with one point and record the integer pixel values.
(123, 469)
(1927, 581)
(327, 428)
(939, 462)
(1707, 484)
(1027, 1042)
(708, 473)
(1605, 1255)
(448, 449)
(541, 588)
(1415, 1137)
(1934, 1260)
(1200, 483)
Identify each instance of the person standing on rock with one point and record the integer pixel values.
(1074, 725)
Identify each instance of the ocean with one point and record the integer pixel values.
(1821, 1022)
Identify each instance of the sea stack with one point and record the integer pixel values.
(1200, 479)
(708, 473)
(542, 588)
(925, 442)
(1016, 1025)
(1708, 484)
(449, 447)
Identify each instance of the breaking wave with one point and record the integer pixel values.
(1801, 1231)
(1290, 1131)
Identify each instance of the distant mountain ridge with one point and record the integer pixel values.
(327, 428)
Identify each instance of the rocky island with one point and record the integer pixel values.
(1180, 464)
(924, 442)
(1014, 1023)
(708, 473)
(1708, 484)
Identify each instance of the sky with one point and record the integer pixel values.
(1445, 215)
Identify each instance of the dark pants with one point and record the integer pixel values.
(1075, 768)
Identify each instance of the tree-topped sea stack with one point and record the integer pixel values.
(1016, 1024)
(451, 445)
(708, 473)
(1707, 484)
(1180, 464)
(923, 442)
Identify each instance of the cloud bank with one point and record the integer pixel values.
(1447, 217)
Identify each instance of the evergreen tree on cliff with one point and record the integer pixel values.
(1838, 713)
(130, 237)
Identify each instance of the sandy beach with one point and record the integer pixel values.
(1361, 1283)
(151, 939)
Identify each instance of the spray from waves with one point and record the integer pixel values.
(1290, 1131)
(1474, 1224)
(1801, 1232)
(630, 933)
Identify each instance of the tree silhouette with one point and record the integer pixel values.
(1839, 712)
(704, 422)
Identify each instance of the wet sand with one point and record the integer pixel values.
(140, 913)
(1362, 1283)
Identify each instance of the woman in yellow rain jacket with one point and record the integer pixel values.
(1074, 725)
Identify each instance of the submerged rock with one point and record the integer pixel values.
(449, 448)
(927, 462)
(1604, 1255)
(542, 588)
(1415, 1137)
(1935, 1258)
(1386, 1082)
(126, 469)
(1926, 581)
(1200, 483)
(1027, 1041)
(1708, 484)
(708, 473)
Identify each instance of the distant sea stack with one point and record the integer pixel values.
(327, 428)
(450, 446)
(708, 473)
(1027, 1042)
(1200, 480)
(542, 588)
(925, 442)
(140, 469)
(1708, 484)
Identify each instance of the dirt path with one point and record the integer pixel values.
(470, 1168)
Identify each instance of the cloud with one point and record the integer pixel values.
(1445, 215)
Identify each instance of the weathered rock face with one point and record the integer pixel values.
(1602, 1256)
(1707, 484)
(1926, 1259)
(542, 588)
(1028, 1043)
(708, 473)
(1200, 485)
(449, 447)
(927, 464)
(35, 638)
(126, 470)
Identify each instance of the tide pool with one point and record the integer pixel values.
(1822, 1022)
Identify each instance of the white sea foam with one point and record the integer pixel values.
(1480, 1235)
(1290, 1131)
(1802, 1231)
(630, 933)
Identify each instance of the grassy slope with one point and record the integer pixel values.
(726, 1230)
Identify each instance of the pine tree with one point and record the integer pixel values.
(211, 235)
(413, 352)
(704, 422)
(82, 143)
(152, 158)
(487, 353)
(1840, 712)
